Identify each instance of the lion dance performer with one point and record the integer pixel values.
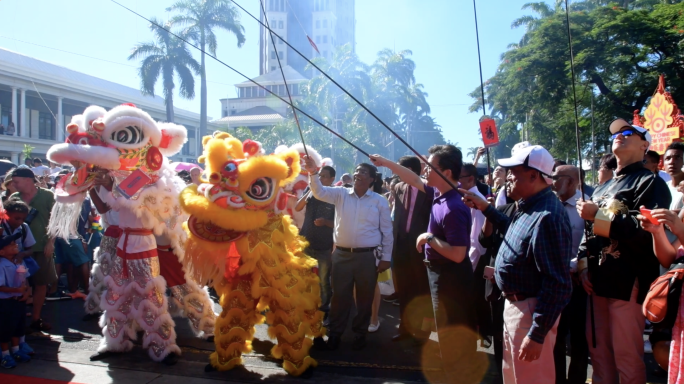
(241, 242)
(129, 144)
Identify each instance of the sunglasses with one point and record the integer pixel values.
(627, 133)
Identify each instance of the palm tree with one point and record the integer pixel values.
(165, 56)
(472, 152)
(200, 18)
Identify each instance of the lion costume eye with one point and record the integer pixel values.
(131, 134)
(230, 169)
(261, 189)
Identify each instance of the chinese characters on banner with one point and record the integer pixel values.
(490, 136)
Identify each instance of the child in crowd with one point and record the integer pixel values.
(16, 212)
(13, 295)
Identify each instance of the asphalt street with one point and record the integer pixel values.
(63, 355)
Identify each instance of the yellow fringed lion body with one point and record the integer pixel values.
(241, 243)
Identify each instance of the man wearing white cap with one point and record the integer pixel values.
(617, 264)
(532, 267)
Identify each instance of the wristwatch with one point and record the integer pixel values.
(429, 238)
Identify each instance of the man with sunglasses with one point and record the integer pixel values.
(616, 263)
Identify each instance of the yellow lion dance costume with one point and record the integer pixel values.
(241, 243)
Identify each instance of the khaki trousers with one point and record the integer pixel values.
(517, 323)
(619, 353)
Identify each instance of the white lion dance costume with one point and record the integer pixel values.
(241, 242)
(127, 141)
(297, 187)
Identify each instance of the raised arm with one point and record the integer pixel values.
(327, 194)
(406, 175)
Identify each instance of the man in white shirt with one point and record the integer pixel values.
(673, 162)
(39, 169)
(467, 180)
(54, 168)
(364, 238)
(573, 319)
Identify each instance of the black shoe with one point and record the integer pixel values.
(319, 344)
(359, 343)
(401, 336)
(170, 359)
(101, 355)
(333, 342)
(92, 316)
(40, 326)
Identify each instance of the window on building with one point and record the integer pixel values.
(280, 53)
(262, 92)
(273, 55)
(280, 41)
(318, 39)
(325, 39)
(46, 126)
(295, 89)
(325, 23)
(272, 68)
(318, 24)
(280, 24)
(255, 91)
(281, 90)
(327, 5)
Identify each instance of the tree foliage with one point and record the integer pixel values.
(387, 87)
(168, 57)
(620, 50)
(199, 19)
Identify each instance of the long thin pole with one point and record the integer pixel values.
(593, 141)
(579, 154)
(246, 77)
(322, 72)
(484, 104)
(282, 72)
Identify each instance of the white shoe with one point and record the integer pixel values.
(374, 327)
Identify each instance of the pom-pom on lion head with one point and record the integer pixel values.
(241, 187)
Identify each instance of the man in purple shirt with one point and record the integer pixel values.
(450, 273)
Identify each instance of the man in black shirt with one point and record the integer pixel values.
(616, 263)
(318, 231)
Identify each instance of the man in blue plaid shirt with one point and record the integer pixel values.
(532, 266)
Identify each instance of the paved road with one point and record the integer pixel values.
(64, 356)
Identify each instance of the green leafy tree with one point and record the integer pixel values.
(200, 18)
(168, 57)
(388, 88)
(620, 50)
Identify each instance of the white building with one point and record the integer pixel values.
(254, 107)
(40, 98)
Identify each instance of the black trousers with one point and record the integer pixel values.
(573, 322)
(497, 307)
(452, 302)
(412, 286)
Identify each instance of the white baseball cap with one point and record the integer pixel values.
(533, 156)
(619, 124)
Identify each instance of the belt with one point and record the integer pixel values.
(513, 297)
(440, 261)
(113, 231)
(127, 232)
(357, 250)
